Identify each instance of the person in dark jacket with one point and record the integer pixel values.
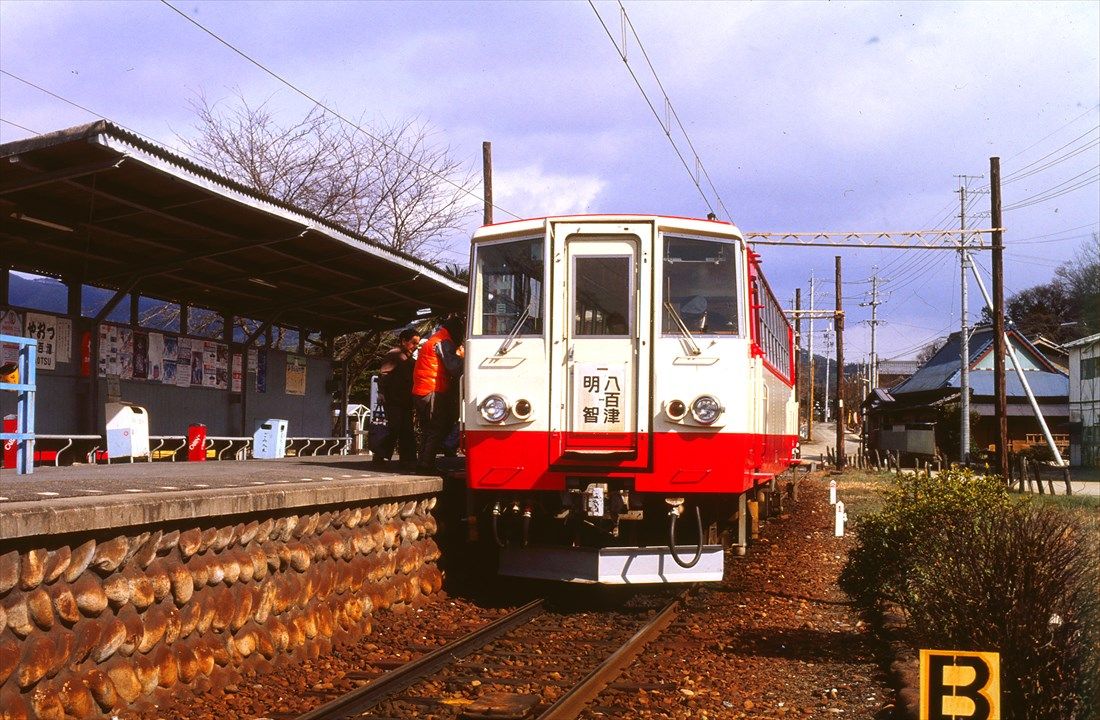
(395, 380)
(436, 389)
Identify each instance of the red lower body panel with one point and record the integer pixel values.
(674, 463)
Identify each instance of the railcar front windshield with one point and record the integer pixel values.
(700, 283)
(508, 288)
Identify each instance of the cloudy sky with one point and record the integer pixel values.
(805, 116)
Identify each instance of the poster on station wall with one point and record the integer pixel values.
(183, 362)
(261, 372)
(125, 353)
(169, 356)
(110, 350)
(295, 375)
(141, 355)
(221, 367)
(252, 359)
(54, 336)
(11, 323)
(156, 356)
(236, 376)
(209, 358)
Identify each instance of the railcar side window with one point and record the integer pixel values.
(508, 282)
(700, 281)
(772, 328)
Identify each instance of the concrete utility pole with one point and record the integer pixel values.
(1000, 400)
(872, 370)
(487, 180)
(839, 368)
(964, 330)
(798, 352)
(828, 354)
(810, 352)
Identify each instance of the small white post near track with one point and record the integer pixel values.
(841, 518)
(832, 492)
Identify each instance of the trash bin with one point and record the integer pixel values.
(10, 446)
(196, 442)
(127, 431)
(269, 441)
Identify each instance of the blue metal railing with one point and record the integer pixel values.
(24, 406)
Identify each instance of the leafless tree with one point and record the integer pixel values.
(928, 351)
(393, 183)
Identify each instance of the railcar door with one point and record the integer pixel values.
(601, 344)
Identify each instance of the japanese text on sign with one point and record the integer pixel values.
(599, 404)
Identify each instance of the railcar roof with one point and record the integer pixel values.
(701, 225)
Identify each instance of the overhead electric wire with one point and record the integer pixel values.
(88, 110)
(21, 127)
(329, 110)
(1049, 193)
(1059, 129)
(656, 115)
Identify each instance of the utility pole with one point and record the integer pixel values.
(1000, 401)
(798, 351)
(839, 368)
(872, 370)
(810, 352)
(828, 354)
(964, 331)
(487, 180)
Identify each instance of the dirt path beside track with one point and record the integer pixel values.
(776, 639)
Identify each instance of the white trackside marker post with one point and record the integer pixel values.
(841, 518)
(832, 492)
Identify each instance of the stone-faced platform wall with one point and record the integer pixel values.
(95, 625)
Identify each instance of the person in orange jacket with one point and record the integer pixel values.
(435, 390)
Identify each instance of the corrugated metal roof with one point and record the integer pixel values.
(943, 370)
(127, 214)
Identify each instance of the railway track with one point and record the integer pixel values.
(533, 664)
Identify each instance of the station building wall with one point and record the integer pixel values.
(62, 406)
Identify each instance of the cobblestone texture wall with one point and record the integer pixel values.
(93, 627)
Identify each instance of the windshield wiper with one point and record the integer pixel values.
(693, 347)
(507, 344)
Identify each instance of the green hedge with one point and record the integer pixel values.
(975, 569)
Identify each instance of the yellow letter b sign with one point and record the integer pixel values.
(957, 685)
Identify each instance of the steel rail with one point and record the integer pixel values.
(573, 702)
(376, 691)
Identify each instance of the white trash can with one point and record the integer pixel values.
(127, 431)
(269, 440)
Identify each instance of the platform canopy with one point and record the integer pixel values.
(105, 207)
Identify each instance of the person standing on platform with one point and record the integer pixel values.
(436, 389)
(396, 379)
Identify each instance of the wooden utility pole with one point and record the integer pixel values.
(839, 323)
(487, 179)
(1000, 401)
(798, 354)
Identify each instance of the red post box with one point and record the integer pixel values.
(10, 446)
(196, 442)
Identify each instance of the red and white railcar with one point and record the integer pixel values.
(622, 372)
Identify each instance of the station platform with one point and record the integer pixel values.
(83, 498)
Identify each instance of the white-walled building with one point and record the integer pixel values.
(1084, 400)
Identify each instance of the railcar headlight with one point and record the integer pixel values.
(706, 409)
(675, 410)
(522, 409)
(494, 408)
